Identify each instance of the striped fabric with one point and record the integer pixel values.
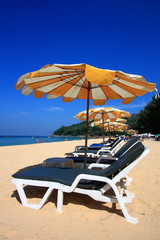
(112, 125)
(102, 113)
(82, 80)
(116, 125)
(118, 128)
(118, 120)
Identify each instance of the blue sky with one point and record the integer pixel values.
(117, 35)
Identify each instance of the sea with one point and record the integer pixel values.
(24, 140)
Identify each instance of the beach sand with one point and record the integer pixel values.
(82, 217)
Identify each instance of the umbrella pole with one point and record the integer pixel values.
(86, 132)
(103, 128)
(108, 130)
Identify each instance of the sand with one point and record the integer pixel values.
(82, 217)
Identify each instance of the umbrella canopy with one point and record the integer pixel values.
(132, 131)
(83, 81)
(118, 126)
(112, 124)
(102, 113)
(74, 81)
(119, 120)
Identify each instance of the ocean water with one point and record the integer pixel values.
(23, 140)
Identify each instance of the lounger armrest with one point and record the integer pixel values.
(108, 157)
(69, 154)
(79, 147)
(106, 148)
(87, 177)
(98, 165)
(106, 154)
(103, 150)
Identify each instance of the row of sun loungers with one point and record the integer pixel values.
(104, 157)
(101, 175)
(110, 149)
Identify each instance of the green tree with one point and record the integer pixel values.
(149, 118)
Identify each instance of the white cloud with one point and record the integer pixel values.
(137, 105)
(132, 105)
(51, 109)
(25, 113)
(22, 113)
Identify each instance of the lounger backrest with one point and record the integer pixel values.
(132, 154)
(115, 142)
(115, 168)
(126, 146)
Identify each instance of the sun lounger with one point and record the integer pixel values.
(108, 142)
(94, 149)
(78, 162)
(92, 182)
(96, 146)
(104, 158)
(91, 152)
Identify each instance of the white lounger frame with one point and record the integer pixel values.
(98, 195)
(107, 150)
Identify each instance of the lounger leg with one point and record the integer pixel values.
(21, 192)
(129, 180)
(59, 200)
(127, 193)
(121, 203)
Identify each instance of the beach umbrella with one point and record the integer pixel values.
(82, 81)
(111, 124)
(102, 114)
(119, 120)
(114, 126)
(132, 131)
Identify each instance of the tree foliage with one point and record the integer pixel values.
(78, 130)
(148, 119)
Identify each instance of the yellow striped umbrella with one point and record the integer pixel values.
(132, 131)
(75, 81)
(119, 120)
(83, 81)
(102, 113)
(113, 129)
(115, 126)
(111, 124)
(100, 123)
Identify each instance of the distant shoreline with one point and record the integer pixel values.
(28, 140)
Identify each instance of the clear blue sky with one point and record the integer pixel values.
(117, 35)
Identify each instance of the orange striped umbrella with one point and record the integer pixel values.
(111, 124)
(113, 129)
(102, 113)
(119, 120)
(115, 126)
(83, 81)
